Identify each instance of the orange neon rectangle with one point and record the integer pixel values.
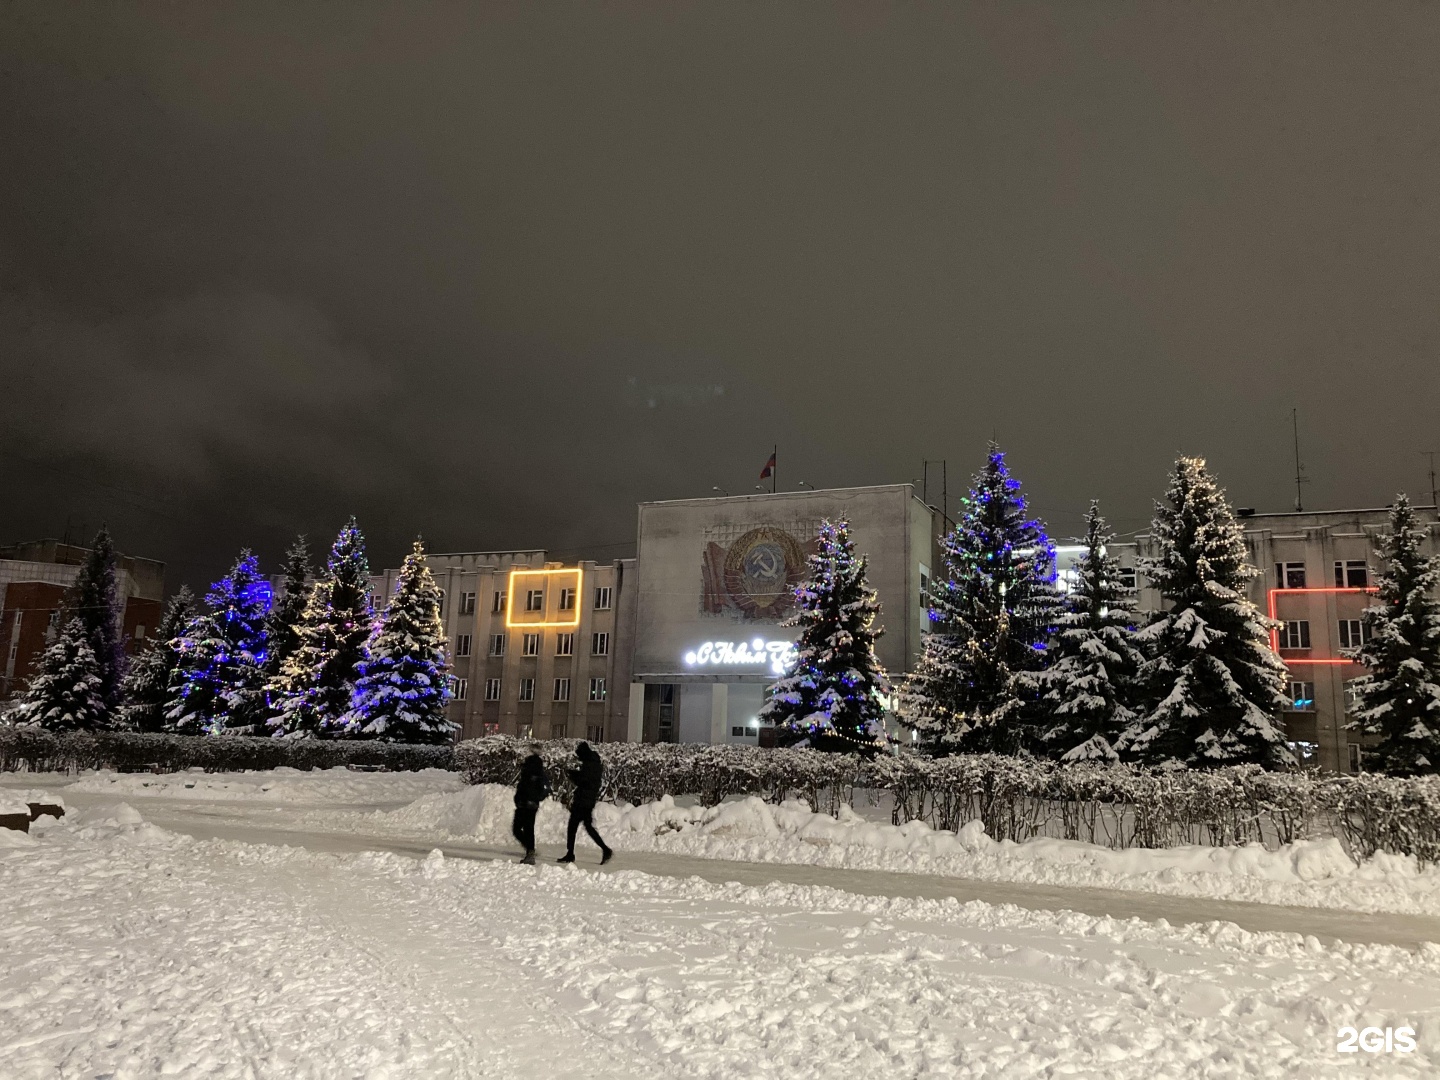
(511, 619)
(1275, 632)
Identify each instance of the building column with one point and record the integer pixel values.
(719, 712)
(635, 728)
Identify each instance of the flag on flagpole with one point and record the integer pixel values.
(769, 468)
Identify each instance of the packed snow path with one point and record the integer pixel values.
(135, 952)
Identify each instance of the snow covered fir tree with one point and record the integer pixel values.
(95, 600)
(1087, 691)
(219, 680)
(991, 615)
(282, 628)
(1213, 687)
(1399, 697)
(832, 694)
(146, 688)
(402, 690)
(67, 693)
(313, 695)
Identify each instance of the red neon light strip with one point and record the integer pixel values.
(1275, 631)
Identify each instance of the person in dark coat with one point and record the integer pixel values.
(530, 792)
(586, 779)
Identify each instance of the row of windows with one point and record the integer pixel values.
(535, 600)
(560, 691)
(1302, 696)
(530, 644)
(1295, 634)
(1349, 574)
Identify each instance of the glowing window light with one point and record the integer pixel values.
(515, 618)
(1275, 633)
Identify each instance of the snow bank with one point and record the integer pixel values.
(335, 786)
(1315, 873)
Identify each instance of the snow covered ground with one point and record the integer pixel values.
(435, 807)
(136, 952)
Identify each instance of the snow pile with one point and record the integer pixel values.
(224, 960)
(1314, 873)
(337, 786)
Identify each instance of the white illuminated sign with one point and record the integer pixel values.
(776, 655)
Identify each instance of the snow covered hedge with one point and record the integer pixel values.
(1118, 806)
(128, 751)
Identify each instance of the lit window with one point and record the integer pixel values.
(534, 599)
(462, 644)
(597, 689)
(1353, 633)
(1295, 635)
(1302, 696)
(602, 598)
(497, 645)
(567, 599)
(1127, 577)
(530, 645)
(467, 603)
(527, 689)
(564, 644)
(458, 688)
(1290, 575)
(562, 689)
(599, 644)
(1352, 574)
(492, 689)
(499, 605)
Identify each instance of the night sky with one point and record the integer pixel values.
(495, 272)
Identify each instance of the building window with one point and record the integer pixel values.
(497, 645)
(1295, 635)
(1352, 696)
(139, 631)
(557, 730)
(467, 603)
(458, 688)
(564, 644)
(1352, 574)
(1290, 575)
(490, 727)
(499, 606)
(530, 645)
(442, 600)
(462, 644)
(597, 689)
(738, 732)
(1357, 759)
(1353, 633)
(492, 689)
(595, 733)
(1302, 696)
(567, 599)
(562, 689)
(1126, 577)
(524, 730)
(527, 689)
(602, 598)
(534, 599)
(599, 644)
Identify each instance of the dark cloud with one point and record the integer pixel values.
(494, 273)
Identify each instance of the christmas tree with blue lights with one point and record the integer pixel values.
(317, 684)
(831, 694)
(146, 688)
(402, 690)
(1211, 683)
(1399, 696)
(218, 684)
(990, 617)
(67, 693)
(1087, 691)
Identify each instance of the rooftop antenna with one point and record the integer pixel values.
(1431, 455)
(1300, 477)
(944, 464)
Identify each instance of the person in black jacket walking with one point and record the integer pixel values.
(530, 792)
(586, 779)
